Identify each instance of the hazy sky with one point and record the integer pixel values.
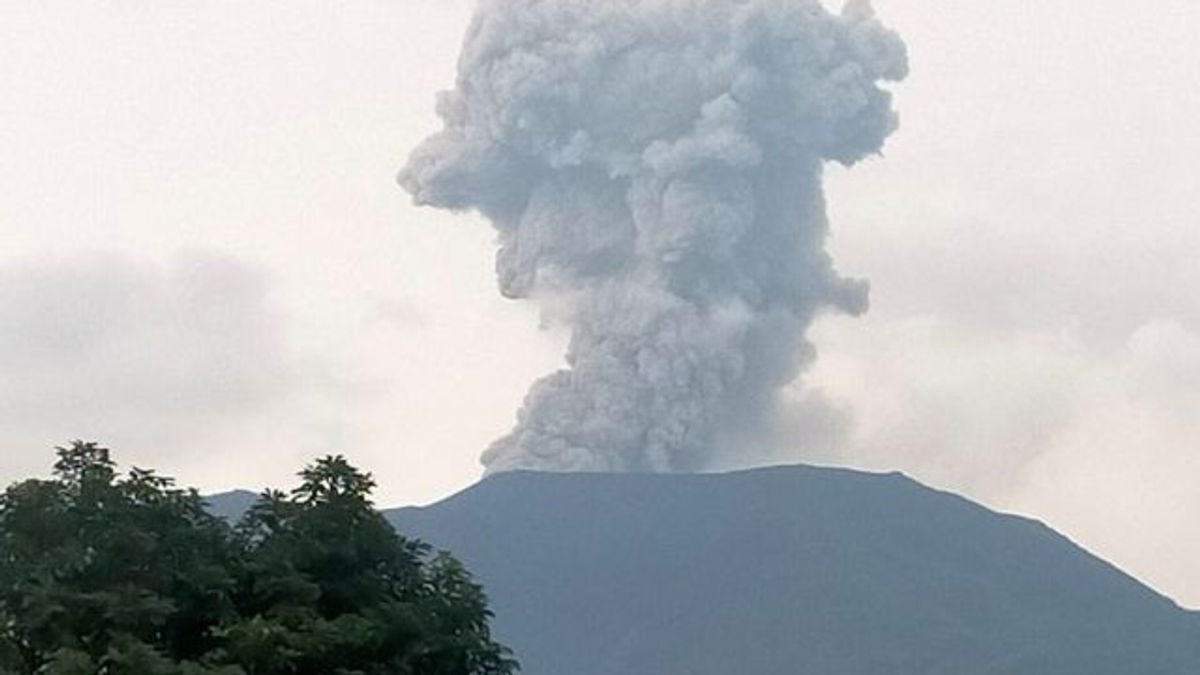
(206, 264)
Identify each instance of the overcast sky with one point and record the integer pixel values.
(206, 264)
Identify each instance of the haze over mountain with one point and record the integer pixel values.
(793, 569)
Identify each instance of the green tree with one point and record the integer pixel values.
(126, 574)
(336, 590)
(101, 571)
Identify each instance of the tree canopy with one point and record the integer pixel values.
(126, 574)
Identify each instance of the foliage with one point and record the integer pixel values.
(129, 575)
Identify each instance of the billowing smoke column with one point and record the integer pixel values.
(654, 166)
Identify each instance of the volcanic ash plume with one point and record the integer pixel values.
(654, 166)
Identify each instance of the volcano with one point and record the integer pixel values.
(792, 570)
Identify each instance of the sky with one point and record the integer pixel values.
(206, 263)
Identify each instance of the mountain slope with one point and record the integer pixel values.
(231, 505)
(792, 570)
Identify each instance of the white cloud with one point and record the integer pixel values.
(1098, 441)
(168, 362)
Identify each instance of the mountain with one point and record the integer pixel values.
(792, 570)
(231, 505)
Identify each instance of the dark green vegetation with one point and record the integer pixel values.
(793, 570)
(128, 575)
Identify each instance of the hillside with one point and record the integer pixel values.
(793, 570)
(231, 505)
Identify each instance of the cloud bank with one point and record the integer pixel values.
(161, 361)
(653, 169)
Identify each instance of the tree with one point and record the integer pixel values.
(101, 572)
(336, 590)
(105, 572)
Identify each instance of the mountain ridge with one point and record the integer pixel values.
(772, 570)
(777, 570)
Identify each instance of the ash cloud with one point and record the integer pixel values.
(655, 166)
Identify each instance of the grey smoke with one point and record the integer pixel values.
(654, 167)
